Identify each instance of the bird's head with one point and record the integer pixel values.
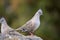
(39, 12)
(2, 20)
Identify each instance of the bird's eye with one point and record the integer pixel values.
(39, 12)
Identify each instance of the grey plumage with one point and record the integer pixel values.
(4, 27)
(6, 31)
(32, 24)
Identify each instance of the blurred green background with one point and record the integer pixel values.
(18, 12)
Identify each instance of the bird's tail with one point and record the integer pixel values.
(18, 29)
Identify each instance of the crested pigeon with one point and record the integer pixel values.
(5, 29)
(33, 24)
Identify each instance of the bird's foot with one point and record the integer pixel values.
(31, 34)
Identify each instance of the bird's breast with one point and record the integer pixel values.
(3, 28)
(36, 24)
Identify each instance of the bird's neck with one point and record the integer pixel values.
(3, 27)
(4, 23)
(36, 17)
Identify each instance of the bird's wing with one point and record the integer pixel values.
(15, 33)
(28, 26)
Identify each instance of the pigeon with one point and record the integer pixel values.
(5, 29)
(8, 32)
(33, 24)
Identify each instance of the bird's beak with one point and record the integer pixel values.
(0, 20)
(41, 14)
